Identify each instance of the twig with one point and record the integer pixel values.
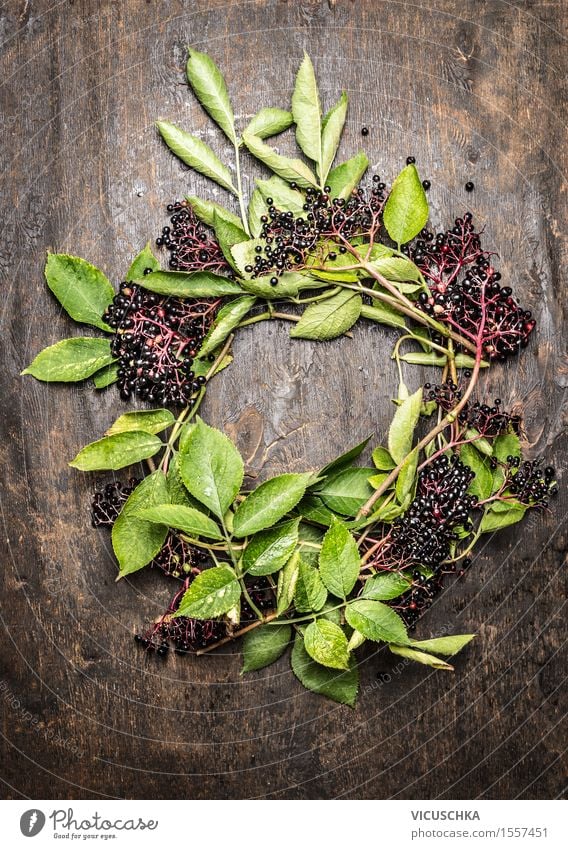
(237, 634)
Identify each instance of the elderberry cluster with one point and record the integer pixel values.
(176, 557)
(530, 483)
(191, 244)
(466, 301)
(107, 503)
(288, 240)
(181, 632)
(488, 421)
(156, 339)
(261, 594)
(415, 601)
(422, 537)
(191, 635)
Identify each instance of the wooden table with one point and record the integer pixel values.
(475, 91)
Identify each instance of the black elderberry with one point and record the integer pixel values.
(464, 286)
(426, 185)
(160, 335)
(469, 186)
(530, 483)
(364, 131)
(183, 633)
(107, 503)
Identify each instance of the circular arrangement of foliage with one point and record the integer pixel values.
(328, 559)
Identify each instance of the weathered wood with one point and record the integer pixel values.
(475, 90)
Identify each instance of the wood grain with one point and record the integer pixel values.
(475, 90)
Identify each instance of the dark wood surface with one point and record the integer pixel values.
(475, 89)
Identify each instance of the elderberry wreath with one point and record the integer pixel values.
(330, 559)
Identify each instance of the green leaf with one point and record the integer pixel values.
(264, 645)
(244, 254)
(309, 538)
(214, 592)
(356, 639)
(347, 490)
(402, 426)
(177, 493)
(375, 481)
(444, 645)
(287, 580)
(269, 503)
(292, 170)
(135, 541)
(196, 154)
(268, 551)
(283, 197)
(184, 434)
(211, 468)
(330, 318)
(331, 612)
(306, 110)
(345, 177)
(312, 508)
(326, 643)
(185, 519)
(495, 519)
(290, 284)
(193, 284)
(145, 259)
(256, 209)
(421, 358)
(376, 621)
(206, 209)
(380, 251)
(406, 480)
(117, 451)
(344, 460)
(421, 657)
(427, 409)
(207, 82)
(467, 361)
(508, 444)
(331, 134)
(149, 421)
(482, 484)
(228, 235)
(310, 594)
(388, 511)
(225, 322)
(383, 460)
(385, 585)
(397, 269)
(406, 210)
(71, 360)
(106, 376)
(334, 275)
(339, 560)
(340, 268)
(383, 314)
(268, 122)
(340, 686)
(82, 290)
